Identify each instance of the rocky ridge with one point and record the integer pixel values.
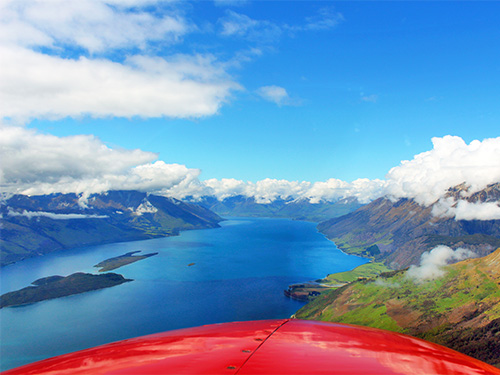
(402, 230)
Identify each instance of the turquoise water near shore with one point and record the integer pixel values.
(240, 271)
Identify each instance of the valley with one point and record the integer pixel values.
(461, 310)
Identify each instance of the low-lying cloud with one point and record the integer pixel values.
(432, 262)
(34, 163)
(53, 216)
(275, 94)
(464, 210)
(268, 190)
(427, 177)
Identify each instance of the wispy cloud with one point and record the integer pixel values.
(275, 94)
(94, 25)
(373, 98)
(264, 31)
(241, 25)
(232, 3)
(326, 18)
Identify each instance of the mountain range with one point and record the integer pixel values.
(297, 209)
(398, 232)
(36, 225)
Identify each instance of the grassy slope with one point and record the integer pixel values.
(449, 310)
(365, 270)
(307, 291)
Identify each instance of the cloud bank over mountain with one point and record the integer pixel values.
(451, 162)
(35, 163)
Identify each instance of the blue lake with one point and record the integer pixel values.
(240, 272)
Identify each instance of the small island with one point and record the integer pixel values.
(59, 286)
(122, 260)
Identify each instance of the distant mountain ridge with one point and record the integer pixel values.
(297, 209)
(460, 310)
(399, 232)
(35, 225)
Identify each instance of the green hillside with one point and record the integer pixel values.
(398, 232)
(307, 291)
(460, 310)
(364, 271)
(37, 225)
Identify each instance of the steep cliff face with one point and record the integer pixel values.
(403, 230)
(460, 310)
(40, 224)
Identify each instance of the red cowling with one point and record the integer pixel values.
(265, 347)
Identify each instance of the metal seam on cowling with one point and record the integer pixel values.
(262, 343)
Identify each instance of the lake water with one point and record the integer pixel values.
(240, 272)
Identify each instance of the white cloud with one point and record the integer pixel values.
(51, 215)
(34, 163)
(363, 189)
(95, 25)
(432, 262)
(275, 94)
(325, 19)
(268, 190)
(264, 191)
(33, 85)
(235, 24)
(52, 85)
(464, 210)
(451, 162)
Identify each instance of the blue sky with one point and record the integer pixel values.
(298, 90)
(364, 93)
